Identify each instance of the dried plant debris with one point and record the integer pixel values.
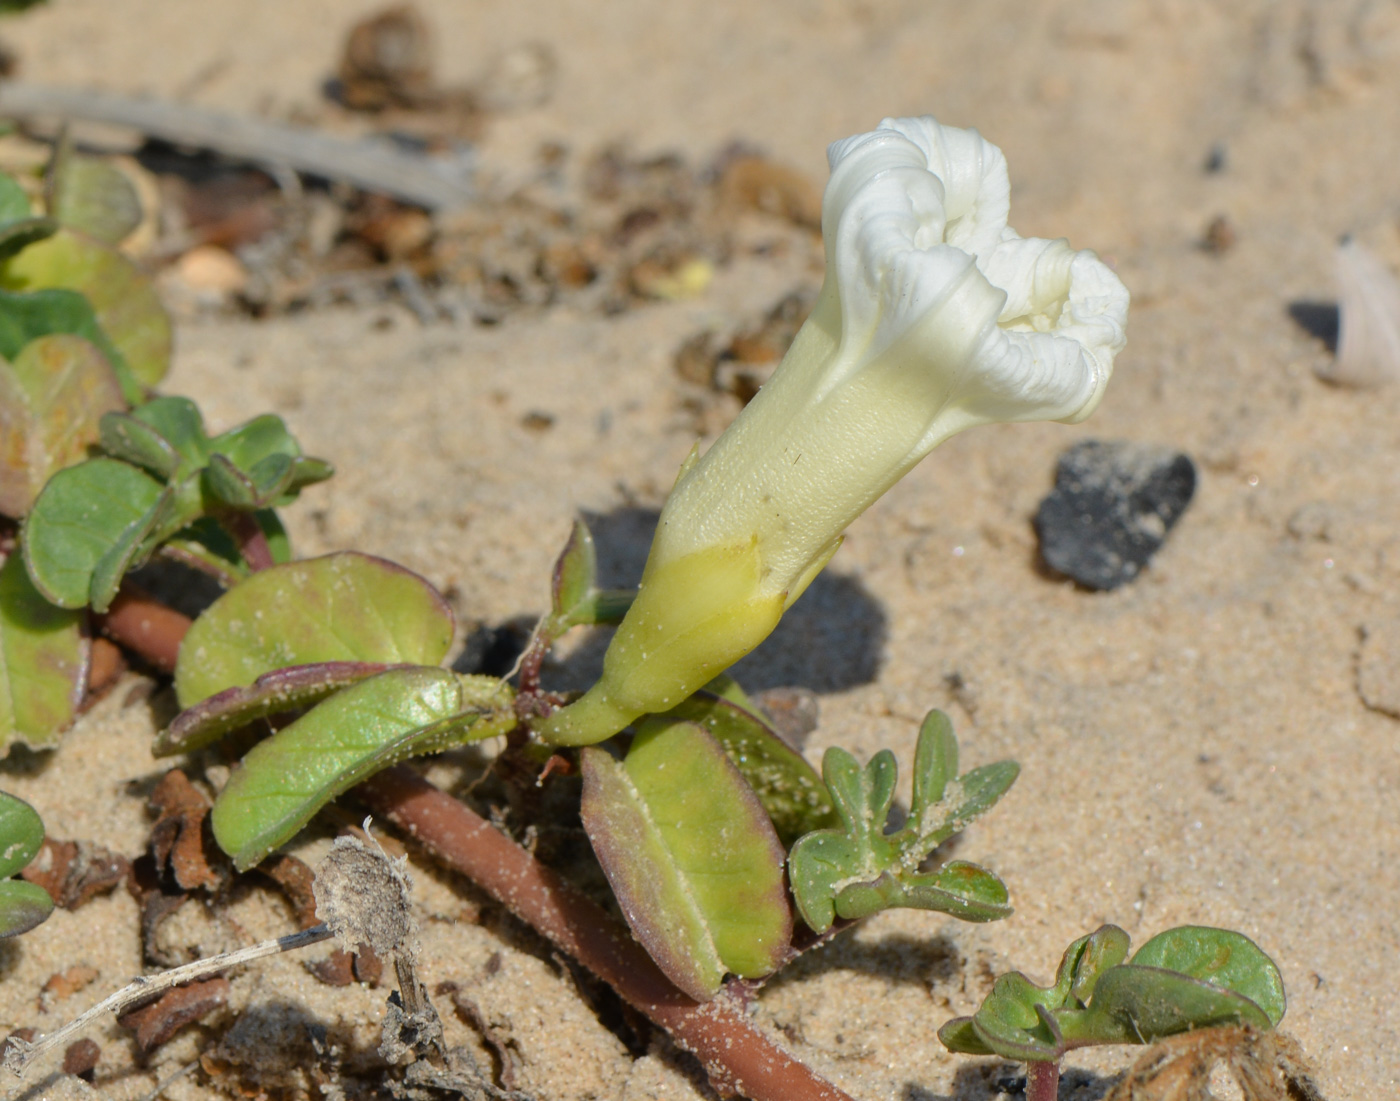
(74, 872)
(1264, 1066)
(180, 840)
(363, 897)
(158, 1021)
(727, 368)
(297, 883)
(604, 232)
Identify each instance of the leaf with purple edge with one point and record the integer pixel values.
(285, 779)
(342, 607)
(690, 854)
(289, 689)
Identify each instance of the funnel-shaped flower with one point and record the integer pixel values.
(934, 317)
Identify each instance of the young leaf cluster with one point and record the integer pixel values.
(858, 868)
(1185, 978)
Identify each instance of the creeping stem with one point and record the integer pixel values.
(737, 1056)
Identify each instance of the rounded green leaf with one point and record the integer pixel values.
(52, 399)
(22, 906)
(83, 513)
(285, 779)
(92, 195)
(122, 298)
(21, 834)
(343, 607)
(1222, 958)
(1140, 1005)
(690, 854)
(43, 663)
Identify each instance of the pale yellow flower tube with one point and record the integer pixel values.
(934, 316)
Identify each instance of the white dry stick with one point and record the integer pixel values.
(371, 165)
(20, 1053)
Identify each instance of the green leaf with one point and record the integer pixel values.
(788, 787)
(690, 854)
(1222, 958)
(43, 663)
(91, 195)
(290, 689)
(575, 572)
(51, 400)
(857, 868)
(122, 298)
(343, 607)
(285, 779)
(254, 441)
(165, 436)
(82, 514)
(21, 834)
(131, 549)
(26, 317)
(576, 598)
(1099, 999)
(22, 907)
(15, 236)
(14, 201)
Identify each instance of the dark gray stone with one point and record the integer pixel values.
(1112, 507)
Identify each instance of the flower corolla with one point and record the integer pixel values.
(934, 316)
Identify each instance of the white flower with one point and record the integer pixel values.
(934, 316)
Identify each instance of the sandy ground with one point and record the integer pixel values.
(1195, 747)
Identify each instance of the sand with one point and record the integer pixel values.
(1195, 746)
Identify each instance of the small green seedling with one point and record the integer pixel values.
(22, 905)
(163, 480)
(858, 869)
(82, 335)
(1185, 978)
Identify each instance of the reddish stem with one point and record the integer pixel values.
(1043, 1081)
(736, 1055)
(143, 624)
(250, 537)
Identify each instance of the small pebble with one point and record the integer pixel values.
(1112, 507)
(209, 269)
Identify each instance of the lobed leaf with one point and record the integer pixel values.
(52, 398)
(857, 869)
(43, 663)
(342, 607)
(285, 779)
(690, 854)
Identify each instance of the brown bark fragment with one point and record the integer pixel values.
(73, 872)
(155, 1023)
